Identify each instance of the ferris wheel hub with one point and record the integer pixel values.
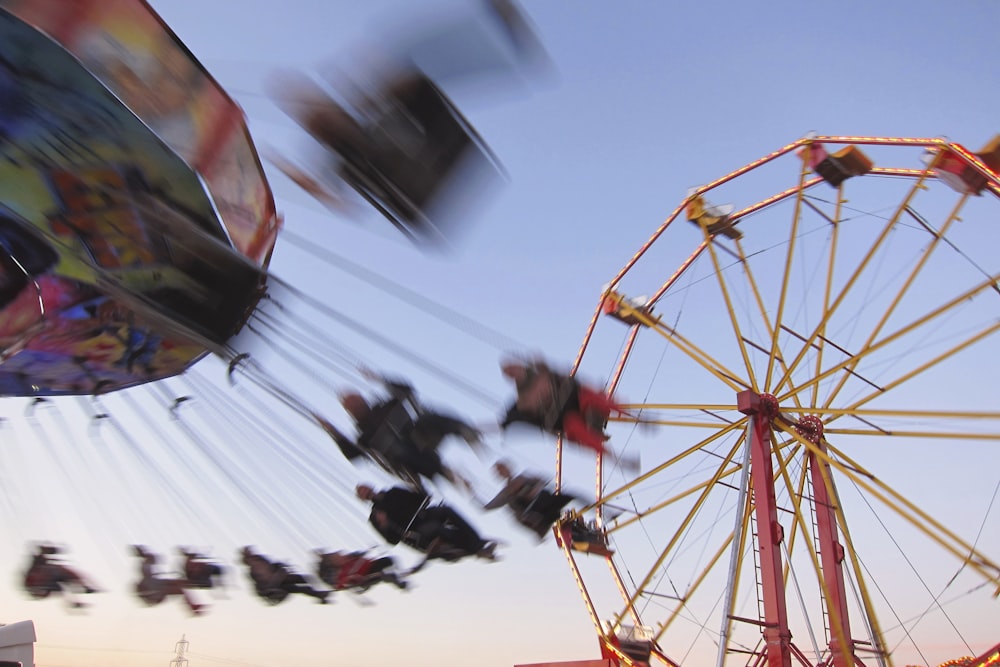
(810, 427)
(764, 406)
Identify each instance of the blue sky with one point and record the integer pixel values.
(644, 100)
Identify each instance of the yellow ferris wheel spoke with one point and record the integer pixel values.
(786, 280)
(906, 510)
(713, 561)
(938, 418)
(856, 569)
(715, 415)
(769, 326)
(904, 288)
(733, 320)
(723, 471)
(713, 366)
(944, 356)
(869, 413)
(676, 537)
(942, 435)
(895, 336)
(831, 263)
(849, 284)
(798, 517)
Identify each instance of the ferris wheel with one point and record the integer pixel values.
(814, 372)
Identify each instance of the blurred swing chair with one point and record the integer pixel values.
(542, 511)
(388, 446)
(414, 156)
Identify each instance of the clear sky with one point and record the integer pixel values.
(643, 100)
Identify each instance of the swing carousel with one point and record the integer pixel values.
(137, 229)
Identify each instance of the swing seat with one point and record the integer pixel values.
(389, 446)
(543, 511)
(422, 155)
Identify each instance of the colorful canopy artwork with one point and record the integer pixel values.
(135, 220)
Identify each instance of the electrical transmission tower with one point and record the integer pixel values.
(180, 649)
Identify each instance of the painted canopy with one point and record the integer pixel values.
(135, 220)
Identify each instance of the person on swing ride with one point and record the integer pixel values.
(534, 506)
(274, 581)
(438, 531)
(558, 404)
(429, 427)
(201, 571)
(393, 133)
(153, 587)
(355, 570)
(45, 575)
(401, 432)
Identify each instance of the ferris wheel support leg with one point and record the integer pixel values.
(762, 408)
(831, 551)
